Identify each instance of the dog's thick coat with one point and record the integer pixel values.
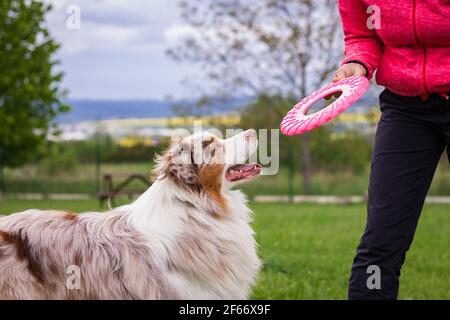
(187, 237)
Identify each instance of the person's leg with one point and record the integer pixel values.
(446, 126)
(407, 150)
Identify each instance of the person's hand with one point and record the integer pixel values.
(345, 71)
(349, 70)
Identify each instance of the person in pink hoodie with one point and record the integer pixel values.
(407, 43)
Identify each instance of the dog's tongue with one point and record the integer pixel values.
(243, 171)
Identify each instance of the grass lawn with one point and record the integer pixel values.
(307, 249)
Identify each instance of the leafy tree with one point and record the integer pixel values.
(283, 48)
(30, 96)
(265, 113)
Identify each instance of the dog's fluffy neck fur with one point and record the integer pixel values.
(148, 207)
(225, 248)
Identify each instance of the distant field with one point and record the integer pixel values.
(307, 249)
(82, 180)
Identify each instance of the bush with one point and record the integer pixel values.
(65, 156)
(59, 160)
(347, 151)
(137, 153)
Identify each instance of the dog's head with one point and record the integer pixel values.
(206, 164)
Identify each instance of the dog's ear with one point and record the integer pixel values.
(184, 172)
(177, 163)
(177, 138)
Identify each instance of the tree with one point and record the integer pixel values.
(265, 113)
(30, 96)
(285, 48)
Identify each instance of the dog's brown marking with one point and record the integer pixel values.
(4, 236)
(194, 256)
(53, 267)
(3, 239)
(70, 216)
(173, 167)
(206, 143)
(78, 258)
(211, 181)
(23, 252)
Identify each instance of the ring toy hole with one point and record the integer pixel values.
(299, 120)
(322, 103)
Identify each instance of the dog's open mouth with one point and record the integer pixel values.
(242, 172)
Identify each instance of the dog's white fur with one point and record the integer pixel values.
(187, 237)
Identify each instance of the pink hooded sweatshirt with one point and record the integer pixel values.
(410, 48)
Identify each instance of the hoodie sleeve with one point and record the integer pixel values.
(362, 44)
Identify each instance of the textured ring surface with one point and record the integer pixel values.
(297, 121)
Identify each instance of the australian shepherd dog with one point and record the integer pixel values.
(187, 237)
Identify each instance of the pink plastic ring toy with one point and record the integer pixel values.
(298, 122)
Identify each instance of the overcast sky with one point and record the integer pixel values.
(119, 51)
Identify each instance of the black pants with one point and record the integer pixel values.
(411, 138)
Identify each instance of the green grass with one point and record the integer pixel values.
(307, 249)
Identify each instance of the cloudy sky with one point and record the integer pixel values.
(119, 50)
